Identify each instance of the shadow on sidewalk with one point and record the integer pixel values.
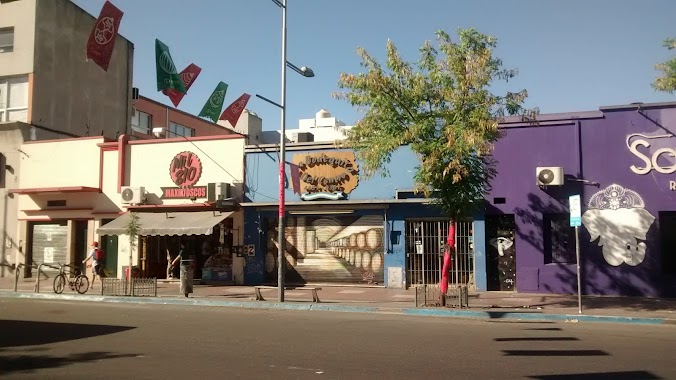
(31, 363)
(15, 333)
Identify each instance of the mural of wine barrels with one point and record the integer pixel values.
(270, 262)
(361, 240)
(377, 262)
(366, 261)
(374, 238)
(345, 249)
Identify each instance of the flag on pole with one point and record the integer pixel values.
(102, 37)
(188, 76)
(214, 104)
(234, 111)
(167, 77)
(294, 170)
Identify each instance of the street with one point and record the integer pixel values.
(50, 339)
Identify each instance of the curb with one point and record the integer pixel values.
(423, 312)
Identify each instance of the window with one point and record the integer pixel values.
(141, 122)
(559, 239)
(667, 229)
(180, 130)
(14, 99)
(6, 40)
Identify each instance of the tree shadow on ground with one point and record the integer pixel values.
(623, 375)
(32, 363)
(15, 333)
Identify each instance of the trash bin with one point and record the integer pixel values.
(187, 274)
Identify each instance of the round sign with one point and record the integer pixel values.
(104, 30)
(185, 169)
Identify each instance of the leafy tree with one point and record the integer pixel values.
(442, 107)
(667, 81)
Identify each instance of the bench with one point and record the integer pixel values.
(315, 296)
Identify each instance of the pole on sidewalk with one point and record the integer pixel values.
(577, 259)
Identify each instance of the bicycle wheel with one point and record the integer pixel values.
(59, 283)
(81, 284)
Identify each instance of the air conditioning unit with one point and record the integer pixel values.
(133, 195)
(218, 191)
(549, 176)
(303, 137)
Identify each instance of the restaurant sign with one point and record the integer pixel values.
(185, 170)
(327, 175)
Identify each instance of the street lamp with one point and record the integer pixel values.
(308, 73)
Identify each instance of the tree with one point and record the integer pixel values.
(667, 81)
(132, 229)
(443, 108)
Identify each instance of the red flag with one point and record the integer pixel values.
(295, 177)
(188, 76)
(234, 111)
(102, 38)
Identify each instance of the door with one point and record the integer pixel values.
(501, 252)
(81, 249)
(425, 242)
(110, 245)
(49, 243)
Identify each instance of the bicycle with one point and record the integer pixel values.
(79, 282)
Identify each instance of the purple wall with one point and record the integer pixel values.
(592, 147)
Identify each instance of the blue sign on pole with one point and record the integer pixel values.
(574, 204)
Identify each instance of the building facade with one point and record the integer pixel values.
(45, 79)
(184, 190)
(168, 122)
(343, 228)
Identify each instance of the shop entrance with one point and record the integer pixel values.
(212, 254)
(501, 252)
(48, 244)
(425, 242)
(668, 232)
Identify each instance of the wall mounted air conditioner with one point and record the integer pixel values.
(218, 191)
(133, 195)
(549, 176)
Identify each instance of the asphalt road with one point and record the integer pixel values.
(49, 340)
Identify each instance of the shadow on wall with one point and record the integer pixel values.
(612, 247)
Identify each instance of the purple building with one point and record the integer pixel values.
(621, 160)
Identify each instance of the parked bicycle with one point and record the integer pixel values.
(77, 281)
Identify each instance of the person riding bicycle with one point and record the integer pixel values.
(98, 266)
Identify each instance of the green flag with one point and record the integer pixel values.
(212, 108)
(167, 76)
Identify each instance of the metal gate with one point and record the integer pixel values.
(425, 241)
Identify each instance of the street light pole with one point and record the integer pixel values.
(281, 259)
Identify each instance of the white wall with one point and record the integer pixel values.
(21, 16)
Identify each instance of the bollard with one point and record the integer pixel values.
(16, 277)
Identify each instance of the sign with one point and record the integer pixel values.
(249, 250)
(574, 204)
(48, 255)
(183, 192)
(333, 174)
(661, 158)
(185, 170)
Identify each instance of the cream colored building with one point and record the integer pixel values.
(73, 192)
(45, 79)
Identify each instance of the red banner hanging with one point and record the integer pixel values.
(102, 38)
(188, 77)
(234, 111)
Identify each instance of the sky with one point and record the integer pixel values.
(572, 55)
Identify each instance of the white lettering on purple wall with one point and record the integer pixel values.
(656, 160)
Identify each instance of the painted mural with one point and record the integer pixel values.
(618, 219)
(328, 249)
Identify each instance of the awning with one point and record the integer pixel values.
(167, 223)
(50, 190)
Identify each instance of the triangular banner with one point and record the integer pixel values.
(214, 104)
(102, 37)
(167, 77)
(234, 111)
(188, 77)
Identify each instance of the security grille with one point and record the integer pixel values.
(425, 241)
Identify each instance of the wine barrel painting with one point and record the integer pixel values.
(361, 240)
(377, 262)
(374, 238)
(353, 241)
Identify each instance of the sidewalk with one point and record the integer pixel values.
(493, 305)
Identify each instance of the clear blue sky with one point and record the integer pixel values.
(572, 55)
